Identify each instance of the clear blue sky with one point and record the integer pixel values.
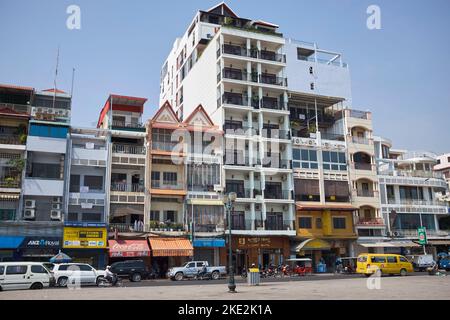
(400, 73)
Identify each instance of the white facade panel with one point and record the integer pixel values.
(87, 154)
(42, 187)
(45, 144)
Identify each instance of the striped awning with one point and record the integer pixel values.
(171, 247)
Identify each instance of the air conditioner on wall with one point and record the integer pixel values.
(56, 206)
(29, 204)
(57, 200)
(55, 214)
(29, 214)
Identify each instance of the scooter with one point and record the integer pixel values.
(203, 276)
(115, 282)
(435, 271)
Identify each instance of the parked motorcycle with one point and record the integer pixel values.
(106, 282)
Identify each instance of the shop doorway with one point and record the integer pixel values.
(160, 266)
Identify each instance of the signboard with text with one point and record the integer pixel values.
(85, 238)
(422, 235)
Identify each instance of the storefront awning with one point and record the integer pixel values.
(391, 244)
(313, 244)
(171, 247)
(443, 242)
(328, 206)
(128, 248)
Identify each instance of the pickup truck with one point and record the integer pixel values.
(191, 269)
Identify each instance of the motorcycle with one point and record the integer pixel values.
(203, 276)
(435, 271)
(106, 282)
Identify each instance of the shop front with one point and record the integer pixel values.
(87, 244)
(121, 250)
(29, 248)
(168, 253)
(208, 250)
(259, 250)
(9, 248)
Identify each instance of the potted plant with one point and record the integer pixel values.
(10, 182)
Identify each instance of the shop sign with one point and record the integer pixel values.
(254, 242)
(40, 242)
(85, 238)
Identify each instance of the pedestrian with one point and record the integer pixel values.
(338, 265)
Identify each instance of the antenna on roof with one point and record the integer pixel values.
(56, 74)
(73, 77)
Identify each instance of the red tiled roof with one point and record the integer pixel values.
(54, 90)
(10, 86)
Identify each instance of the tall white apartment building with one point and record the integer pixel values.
(410, 195)
(236, 69)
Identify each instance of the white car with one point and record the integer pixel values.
(76, 274)
(24, 275)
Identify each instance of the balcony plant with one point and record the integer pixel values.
(10, 182)
(22, 133)
(17, 164)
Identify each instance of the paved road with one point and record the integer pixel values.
(387, 288)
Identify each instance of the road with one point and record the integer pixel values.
(404, 288)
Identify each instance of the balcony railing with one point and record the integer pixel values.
(239, 50)
(10, 139)
(415, 202)
(363, 166)
(360, 140)
(359, 114)
(124, 187)
(283, 195)
(271, 162)
(128, 149)
(332, 136)
(413, 233)
(116, 124)
(240, 131)
(237, 160)
(365, 193)
(272, 103)
(9, 183)
(272, 56)
(241, 193)
(125, 227)
(278, 225)
(370, 221)
(16, 107)
(163, 146)
(272, 79)
(169, 186)
(276, 134)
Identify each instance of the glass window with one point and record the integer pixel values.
(319, 223)
(74, 183)
(16, 269)
(339, 223)
(378, 259)
(341, 157)
(63, 267)
(191, 265)
(305, 155)
(94, 182)
(91, 217)
(428, 221)
(2, 270)
(38, 269)
(326, 156)
(362, 259)
(170, 178)
(154, 215)
(392, 259)
(296, 154)
(305, 222)
(84, 267)
(403, 259)
(305, 158)
(334, 161)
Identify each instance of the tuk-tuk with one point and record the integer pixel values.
(300, 266)
(349, 264)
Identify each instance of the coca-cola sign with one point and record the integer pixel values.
(128, 248)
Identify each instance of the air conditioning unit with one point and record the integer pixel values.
(29, 214)
(218, 188)
(56, 206)
(57, 200)
(327, 145)
(311, 142)
(297, 140)
(396, 234)
(55, 214)
(30, 204)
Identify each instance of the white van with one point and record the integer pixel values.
(23, 275)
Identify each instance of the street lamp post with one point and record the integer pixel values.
(228, 201)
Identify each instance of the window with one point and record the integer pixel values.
(305, 158)
(73, 216)
(385, 152)
(2, 270)
(334, 161)
(63, 267)
(45, 170)
(38, 269)
(74, 183)
(154, 215)
(84, 267)
(169, 215)
(336, 191)
(362, 259)
(378, 259)
(428, 221)
(91, 217)
(7, 214)
(403, 259)
(339, 223)
(203, 177)
(191, 265)
(319, 223)
(94, 182)
(392, 259)
(200, 264)
(40, 130)
(305, 222)
(16, 269)
(170, 178)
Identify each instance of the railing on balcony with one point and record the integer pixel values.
(124, 187)
(363, 166)
(358, 114)
(365, 193)
(271, 162)
(272, 79)
(276, 134)
(237, 160)
(240, 131)
(413, 233)
(117, 124)
(272, 56)
(128, 149)
(10, 139)
(163, 146)
(278, 225)
(360, 140)
(272, 103)
(16, 107)
(9, 183)
(332, 136)
(240, 192)
(235, 49)
(240, 50)
(125, 227)
(415, 202)
(283, 194)
(156, 184)
(369, 221)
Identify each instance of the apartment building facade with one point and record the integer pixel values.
(410, 194)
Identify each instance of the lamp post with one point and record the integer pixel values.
(228, 201)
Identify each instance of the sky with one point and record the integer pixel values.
(399, 72)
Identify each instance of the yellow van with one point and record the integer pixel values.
(369, 263)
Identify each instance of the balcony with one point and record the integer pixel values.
(16, 107)
(272, 103)
(361, 140)
(415, 202)
(167, 186)
(278, 225)
(359, 114)
(272, 80)
(235, 49)
(332, 136)
(272, 56)
(365, 193)
(43, 187)
(238, 74)
(239, 100)
(276, 134)
(127, 227)
(129, 126)
(363, 166)
(12, 139)
(270, 162)
(164, 146)
(239, 50)
(89, 156)
(239, 130)
(412, 233)
(240, 192)
(128, 149)
(10, 183)
(377, 222)
(235, 160)
(124, 187)
(281, 195)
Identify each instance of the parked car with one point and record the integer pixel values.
(135, 270)
(192, 268)
(370, 263)
(422, 262)
(76, 273)
(24, 275)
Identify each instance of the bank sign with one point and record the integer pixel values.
(41, 243)
(84, 238)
